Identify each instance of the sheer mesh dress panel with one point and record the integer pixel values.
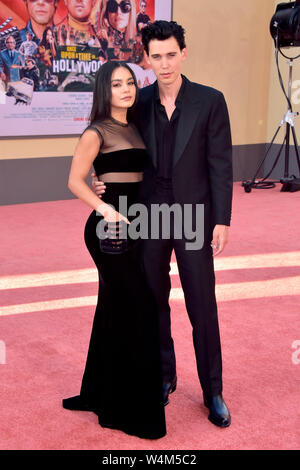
(121, 152)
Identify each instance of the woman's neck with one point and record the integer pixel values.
(119, 30)
(119, 115)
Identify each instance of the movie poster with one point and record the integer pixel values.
(50, 51)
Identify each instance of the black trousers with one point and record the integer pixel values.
(196, 272)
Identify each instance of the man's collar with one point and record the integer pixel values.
(180, 95)
(30, 30)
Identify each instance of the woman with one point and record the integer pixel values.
(47, 48)
(117, 22)
(122, 379)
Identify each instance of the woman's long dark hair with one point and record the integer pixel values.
(44, 41)
(101, 107)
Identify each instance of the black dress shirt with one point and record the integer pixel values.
(165, 131)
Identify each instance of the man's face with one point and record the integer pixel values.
(80, 9)
(143, 7)
(41, 11)
(29, 64)
(166, 58)
(10, 43)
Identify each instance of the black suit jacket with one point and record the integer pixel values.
(202, 160)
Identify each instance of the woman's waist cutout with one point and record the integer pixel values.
(121, 177)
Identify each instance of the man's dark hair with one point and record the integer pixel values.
(162, 30)
(101, 107)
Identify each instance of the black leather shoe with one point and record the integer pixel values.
(169, 387)
(219, 413)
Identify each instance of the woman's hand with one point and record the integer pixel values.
(110, 214)
(98, 186)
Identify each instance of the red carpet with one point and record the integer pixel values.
(48, 288)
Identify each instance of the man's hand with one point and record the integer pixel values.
(220, 239)
(98, 186)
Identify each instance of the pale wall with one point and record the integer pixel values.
(229, 48)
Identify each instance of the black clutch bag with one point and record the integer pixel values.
(116, 240)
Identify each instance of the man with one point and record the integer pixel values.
(186, 129)
(142, 19)
(31, 71)
(28, 47)
(41, 13)
(10, 61)
(78, 20)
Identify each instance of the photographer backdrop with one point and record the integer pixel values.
(229, 48)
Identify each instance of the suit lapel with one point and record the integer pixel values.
(187, 120)
(8, 59)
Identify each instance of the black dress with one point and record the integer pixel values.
(122, 380)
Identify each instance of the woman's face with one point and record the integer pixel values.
(49, 35)
(118, 13)
(123, 89)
